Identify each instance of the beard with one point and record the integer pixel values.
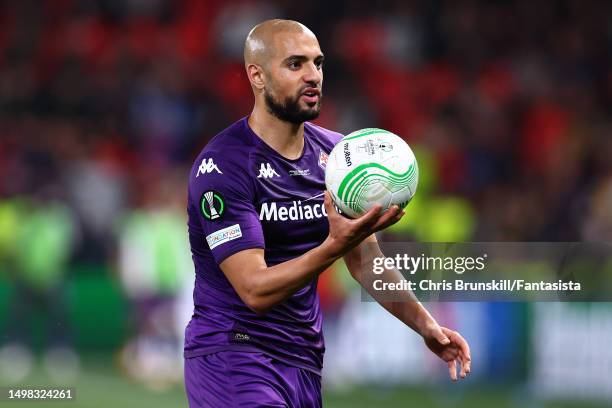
(289, 110)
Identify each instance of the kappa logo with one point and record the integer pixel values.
(207, 166)
(266, 171)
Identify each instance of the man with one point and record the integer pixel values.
(262, 229)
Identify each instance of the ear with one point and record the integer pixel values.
(256, 76)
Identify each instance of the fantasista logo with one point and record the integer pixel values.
(295, 211)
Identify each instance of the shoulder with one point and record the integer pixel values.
(228, 151)
(324, 137)
(221, 165)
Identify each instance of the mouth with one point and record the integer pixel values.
(311, 95)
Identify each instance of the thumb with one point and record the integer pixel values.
(329, 207)
(441, 337)
(327, 202)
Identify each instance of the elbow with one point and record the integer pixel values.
(258, 305)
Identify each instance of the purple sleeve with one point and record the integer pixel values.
(223, 196)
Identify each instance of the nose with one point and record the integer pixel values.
(312, 74)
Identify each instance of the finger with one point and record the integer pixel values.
(370, 218)
(327, 201)
(452, 370)
(463, 372)
(392, 219)
(329, 205)
(387, 218)
(462, 344)
(466, 363)
(465, 355)
(465, 366)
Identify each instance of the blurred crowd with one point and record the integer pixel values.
(104, 104)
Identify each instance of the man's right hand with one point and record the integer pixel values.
(345, 234)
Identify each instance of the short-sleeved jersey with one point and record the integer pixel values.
(243, 194)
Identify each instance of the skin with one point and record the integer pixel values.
(282, 60)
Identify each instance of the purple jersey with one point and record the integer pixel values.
(243, 194)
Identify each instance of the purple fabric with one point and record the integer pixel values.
(243, 194)
(248, 379)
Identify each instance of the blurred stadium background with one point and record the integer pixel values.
(105, 104)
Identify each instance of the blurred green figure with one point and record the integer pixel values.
(36, 244)
(156, 273)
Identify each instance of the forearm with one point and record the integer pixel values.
(404, 305)
(447, 344)
(262, 287)
(272, 285)
(409, 311)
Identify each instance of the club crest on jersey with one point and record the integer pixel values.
(323, 159)
(207, 166)
(267, 171)
(212, 205)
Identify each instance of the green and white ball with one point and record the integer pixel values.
(371, 166)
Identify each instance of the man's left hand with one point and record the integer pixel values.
(451, 347)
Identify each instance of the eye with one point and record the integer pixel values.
(294, 65)
(319, 64)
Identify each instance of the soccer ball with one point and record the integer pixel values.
(371, 166)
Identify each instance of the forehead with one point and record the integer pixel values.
(295, 43)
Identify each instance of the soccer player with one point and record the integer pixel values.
(262, 229)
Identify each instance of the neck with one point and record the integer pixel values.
(284, 137)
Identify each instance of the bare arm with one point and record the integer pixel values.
(261, 287)
(447, 344)
(406, 306)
